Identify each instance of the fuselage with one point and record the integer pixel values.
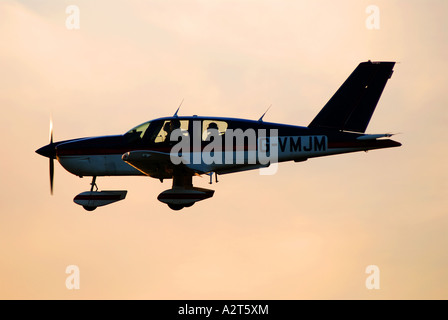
(102, 156)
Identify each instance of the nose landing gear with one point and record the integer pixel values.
(90, 200)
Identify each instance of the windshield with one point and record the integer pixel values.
(155, 131)
(139, 130)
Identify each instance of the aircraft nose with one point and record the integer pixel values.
(48, 151)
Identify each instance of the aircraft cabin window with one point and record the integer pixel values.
(208, 127)
(168, 127)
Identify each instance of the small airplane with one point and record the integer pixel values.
(181, 147)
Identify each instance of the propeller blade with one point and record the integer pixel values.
(51, 175)
(51, 130)
(51, 159)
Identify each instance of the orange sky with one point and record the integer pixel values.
(307, 232)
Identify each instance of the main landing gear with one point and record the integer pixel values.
(183, 194)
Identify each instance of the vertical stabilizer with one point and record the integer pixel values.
(352, 106)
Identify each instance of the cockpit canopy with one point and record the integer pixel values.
(158, 131)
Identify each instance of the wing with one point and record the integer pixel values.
(158, 165)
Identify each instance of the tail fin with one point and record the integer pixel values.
(352, 106)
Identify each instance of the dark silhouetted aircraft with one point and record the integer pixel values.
(180, 148)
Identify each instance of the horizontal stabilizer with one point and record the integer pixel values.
(352, 106)
(374, 136)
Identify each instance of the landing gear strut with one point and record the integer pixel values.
(93, 185)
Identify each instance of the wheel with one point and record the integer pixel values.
(89, 208)
(175, 206)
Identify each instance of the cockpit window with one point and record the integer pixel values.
(168, 127)
(213, 127)
(139, 130)
(156, 131)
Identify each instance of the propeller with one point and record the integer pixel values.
(51, 158)
(49, 151)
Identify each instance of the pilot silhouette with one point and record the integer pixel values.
(169, 127)
(211, 130)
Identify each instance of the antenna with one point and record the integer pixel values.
(175, 114)
(261, 118)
